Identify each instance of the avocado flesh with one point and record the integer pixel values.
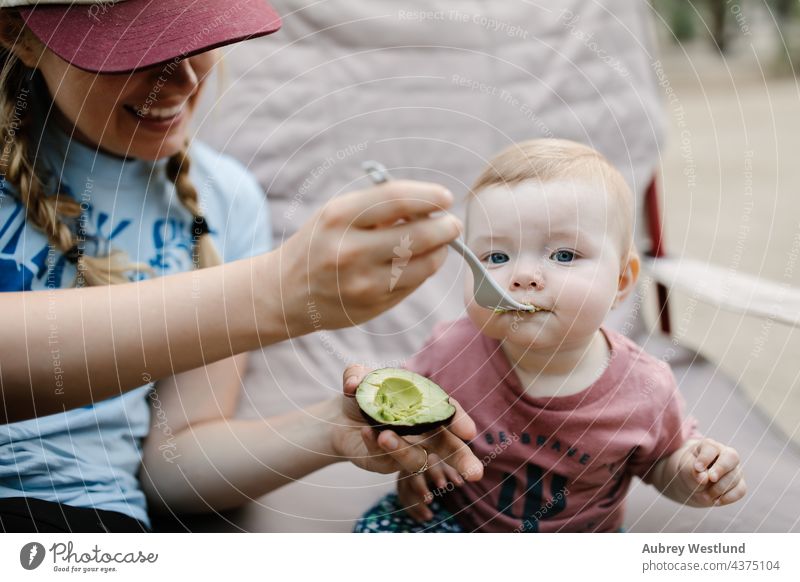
(397, 400)
(403, 401)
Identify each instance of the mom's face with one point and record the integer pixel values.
(143, 115)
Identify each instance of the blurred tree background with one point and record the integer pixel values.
(731, 24)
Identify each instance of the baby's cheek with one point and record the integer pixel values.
(478, 315)
(592, 300)
(486, 321)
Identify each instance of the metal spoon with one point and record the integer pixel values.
(486, 290)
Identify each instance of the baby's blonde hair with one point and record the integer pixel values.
(545, 160)
(46, 211)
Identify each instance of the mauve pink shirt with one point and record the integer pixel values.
(554, 463)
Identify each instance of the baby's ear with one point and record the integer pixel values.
(628, 277)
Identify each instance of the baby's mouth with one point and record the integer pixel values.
(535, 309)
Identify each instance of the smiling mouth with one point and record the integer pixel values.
(157, 114)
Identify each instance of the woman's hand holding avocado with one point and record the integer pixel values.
(386, 452)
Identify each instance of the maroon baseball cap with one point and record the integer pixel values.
(124, 35)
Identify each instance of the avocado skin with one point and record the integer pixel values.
(406, 429)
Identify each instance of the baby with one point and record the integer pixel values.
(567, 411)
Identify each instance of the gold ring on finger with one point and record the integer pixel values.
(424, 466)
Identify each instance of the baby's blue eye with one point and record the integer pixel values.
(563, 256)
(497, 258)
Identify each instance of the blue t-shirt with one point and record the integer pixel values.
(90, 457)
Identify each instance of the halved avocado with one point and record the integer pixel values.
(403, 401)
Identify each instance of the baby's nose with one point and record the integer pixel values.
(532, 283)
(529, 280)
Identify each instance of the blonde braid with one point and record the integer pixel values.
(43, 211)
(204, 253)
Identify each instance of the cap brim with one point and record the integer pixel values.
(135, 34)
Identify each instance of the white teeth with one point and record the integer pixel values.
(160, 112)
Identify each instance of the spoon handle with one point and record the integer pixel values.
(474, 262)
(488, 292)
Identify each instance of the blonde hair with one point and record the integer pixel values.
(545, 160)
(47, 211)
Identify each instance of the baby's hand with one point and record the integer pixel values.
(711, 471)
(413, 491)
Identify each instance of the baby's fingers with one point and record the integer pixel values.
(413, 496)
(735, 494)
(727, 461)
(453, 476)
(442, 476)
(419, 512)
(456, 454)
(705, 453)
(728, 482)
(436, 473)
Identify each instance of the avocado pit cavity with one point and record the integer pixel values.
(403, 401)
(397, 399)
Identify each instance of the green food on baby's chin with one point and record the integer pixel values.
(407, 403)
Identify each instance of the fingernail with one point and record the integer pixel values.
(700, 477)
(712, 475)
(699, 466)
(448, 194)
(351, 381)
(392, 443)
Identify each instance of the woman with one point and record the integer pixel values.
(98, 189)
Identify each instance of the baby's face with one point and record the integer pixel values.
(557, 245)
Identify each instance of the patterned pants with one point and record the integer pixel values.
(388, 517)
